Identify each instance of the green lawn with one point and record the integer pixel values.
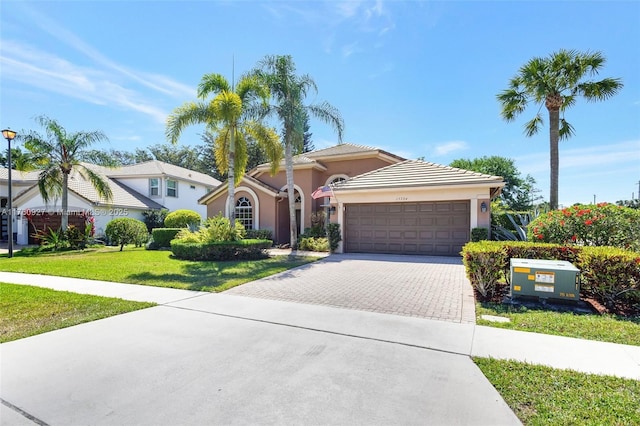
(149, 267)
(26, 310)
(546, 396)
(606, 328)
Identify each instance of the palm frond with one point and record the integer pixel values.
(99, 182)
(533, 126)
(269, 142)
(186, 115)
(566, 129)
(50, 183)
(330, 115)
(212, 84)
(594, 91)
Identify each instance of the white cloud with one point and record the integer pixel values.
(449, 147)
(47, 72)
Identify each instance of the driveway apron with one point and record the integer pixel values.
(418, 286)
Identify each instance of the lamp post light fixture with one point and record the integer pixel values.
(9, 134)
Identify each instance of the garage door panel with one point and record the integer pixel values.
(431, 228)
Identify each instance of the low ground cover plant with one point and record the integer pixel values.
(26, 311)
(541, 395)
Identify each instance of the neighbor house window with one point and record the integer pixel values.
(172, 188)
(154, 187)
(244, 212)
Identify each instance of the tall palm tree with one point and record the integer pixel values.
(230, 116)
(289, 92)
(59, 153)
(557, 81)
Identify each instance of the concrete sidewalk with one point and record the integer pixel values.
(204, 358)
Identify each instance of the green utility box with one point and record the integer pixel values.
(545, 279)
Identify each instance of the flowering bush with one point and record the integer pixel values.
(590, 225)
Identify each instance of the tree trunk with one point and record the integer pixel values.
(64, 220)
(554, 136)
(231, 212)
(288, 153)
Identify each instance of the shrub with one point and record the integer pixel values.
(483, 263)
(219, 228)
(154, 218)
(182, 219)
(75, 238)
(314, 244)
(126, 230)
(479, 234)
(259, 234)
(221, 250)
(609, 273)
(589, 225)
(333, 235)
(162, 236)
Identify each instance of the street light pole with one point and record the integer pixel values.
(9, 134)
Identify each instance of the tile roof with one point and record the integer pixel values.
(415, 173)
(17, 175)
(155, 167)
(343, 149)
(122, 196)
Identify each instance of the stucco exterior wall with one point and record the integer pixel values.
(188, 193)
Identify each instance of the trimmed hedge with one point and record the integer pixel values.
(607, 273)
(162, 236)
(221, 250)
(259, 234)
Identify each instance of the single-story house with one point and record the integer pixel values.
(383, 203)
(151, 185)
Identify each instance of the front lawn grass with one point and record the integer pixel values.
(149, 267)
(26, 310)
(541, 395)
(605, 328)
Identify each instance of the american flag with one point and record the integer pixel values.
(323, 191)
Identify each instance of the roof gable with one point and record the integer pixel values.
(416, 173)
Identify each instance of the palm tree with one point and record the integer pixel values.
(557, 80)
(289, 92)
(57, 155)
(229, 115)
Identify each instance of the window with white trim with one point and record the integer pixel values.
(172, 188)
(154, 187)
(244, 212)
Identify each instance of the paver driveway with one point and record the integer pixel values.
(418, 286)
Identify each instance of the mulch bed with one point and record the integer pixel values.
(501, 295)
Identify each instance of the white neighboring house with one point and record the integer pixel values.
(151, 185)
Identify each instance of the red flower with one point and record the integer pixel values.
(588, 222)
(540, 236)
(573, 238)
(562, 223)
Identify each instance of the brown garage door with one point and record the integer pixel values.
(432, 228)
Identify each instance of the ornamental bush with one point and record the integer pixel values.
(162, 237)
(214, 229)
(126, 230)
(182, 219)
(589, 225)
(221, 250)
(320, 244)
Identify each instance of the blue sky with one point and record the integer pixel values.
(415, 78)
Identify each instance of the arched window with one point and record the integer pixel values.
(338, 180)
(244, 212)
